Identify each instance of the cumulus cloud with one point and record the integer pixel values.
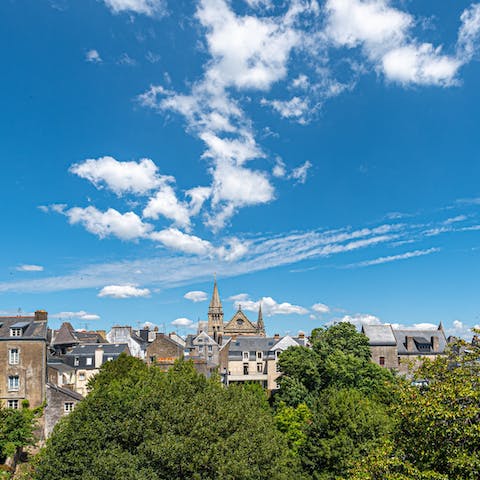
(177, 240)
(296, 108)
(121, 177)
(80, 315)
(93, 56)
(320, 308)
(145, 7)
(125, 226)
(460, 329)
(29, 268)
(182, 322)
(196, 296)
(123, 291)
(360, 319)
(300, 173)
(270, 306)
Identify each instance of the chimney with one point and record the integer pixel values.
(435, 343)
(41, 316)
(98, 357)
(410, 344)
(301, 335)
(276, 336)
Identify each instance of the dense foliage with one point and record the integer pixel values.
(336, 416)
(141, 423)
(16, 430)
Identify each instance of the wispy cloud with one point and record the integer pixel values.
(29, 268)
(394, 258)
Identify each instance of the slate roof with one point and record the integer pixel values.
(65, 391)
(253, 344)
(85, 351)
(67, 335)
(419, 337)
(32, 329)
(379, 335)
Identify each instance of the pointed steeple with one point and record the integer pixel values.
(260, 324)
(440, 326)
(215, 315)
(215, 302)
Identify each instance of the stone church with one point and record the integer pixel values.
(239, 325)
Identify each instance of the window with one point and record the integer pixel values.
(200, 348)
(210, 348)
(153, 359)
(259, 367)
(259, 355)
(68, 407)
(13, 383)
(14, 356)
(76, 361)
(277, 367)
(89, 360)
(15, 332)
(381, 361)
(81, 376)
(277, 353)
(109, 359)
(245, 368)
(12, 404)
(246, 355)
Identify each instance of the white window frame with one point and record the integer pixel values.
(246, 356)
(14, 356)
(89, 361)
(15, 332)
(68, 407)
(81, 376)
(13, 383)
(76, 361)
(13, 404)
(259, 355)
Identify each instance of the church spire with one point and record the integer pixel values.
(215, 315)
(260, 324)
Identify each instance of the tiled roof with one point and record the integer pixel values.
(32, 329)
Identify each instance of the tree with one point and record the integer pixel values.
(439, 425)
(345, 427)
(16, 430)
(148, 424)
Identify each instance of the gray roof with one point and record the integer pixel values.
(32, 329)
(252, 344)
(379, 335)
(89, 349)
(420, 337)
(65, 391)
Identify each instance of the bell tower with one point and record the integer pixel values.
(215, 315)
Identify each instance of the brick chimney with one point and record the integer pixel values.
(435, 343)
(410, 344)
(301, 335)
(41, 316)
(276, 336)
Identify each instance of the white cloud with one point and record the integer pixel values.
(177, 240)
(460, 330)
(29, 268)
(93, 56)
(196, 296)
(81, 315)
(360, 319)
(126, 226)
(145, 7)
(121, 177)
(279, 170)
(300, 173)
(394, 258)
(469, 33)
(182, 322)
(320, 308)
(420, 64)
(423, 326)
(233, 249)
(270, 307)
(166, 203)
(240, 297)
(456, 219)
(123, 291)
(295, 108)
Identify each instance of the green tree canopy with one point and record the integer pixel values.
(141, 423)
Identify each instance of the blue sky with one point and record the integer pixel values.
(322, 158)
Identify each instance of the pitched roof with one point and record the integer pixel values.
(65, 391)
(420, 337)
(379, 335)
(31, 328)
(90, 348)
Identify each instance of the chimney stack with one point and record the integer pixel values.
(98, 357)
(41, 316)
(435, 343)
(410, 344)
(276, 336)
(301, 335)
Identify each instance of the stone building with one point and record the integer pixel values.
(66, 337)
(163, 351)
(254, 359)
(137, 343)
(403, 349)
(60, 402)
(239, 324)
(23, 359)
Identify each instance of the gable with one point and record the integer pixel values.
(240, 323)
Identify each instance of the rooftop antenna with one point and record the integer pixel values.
(19, 312)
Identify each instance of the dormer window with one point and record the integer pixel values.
(15, 332)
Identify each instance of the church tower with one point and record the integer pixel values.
(215, 316)
(260, 324)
